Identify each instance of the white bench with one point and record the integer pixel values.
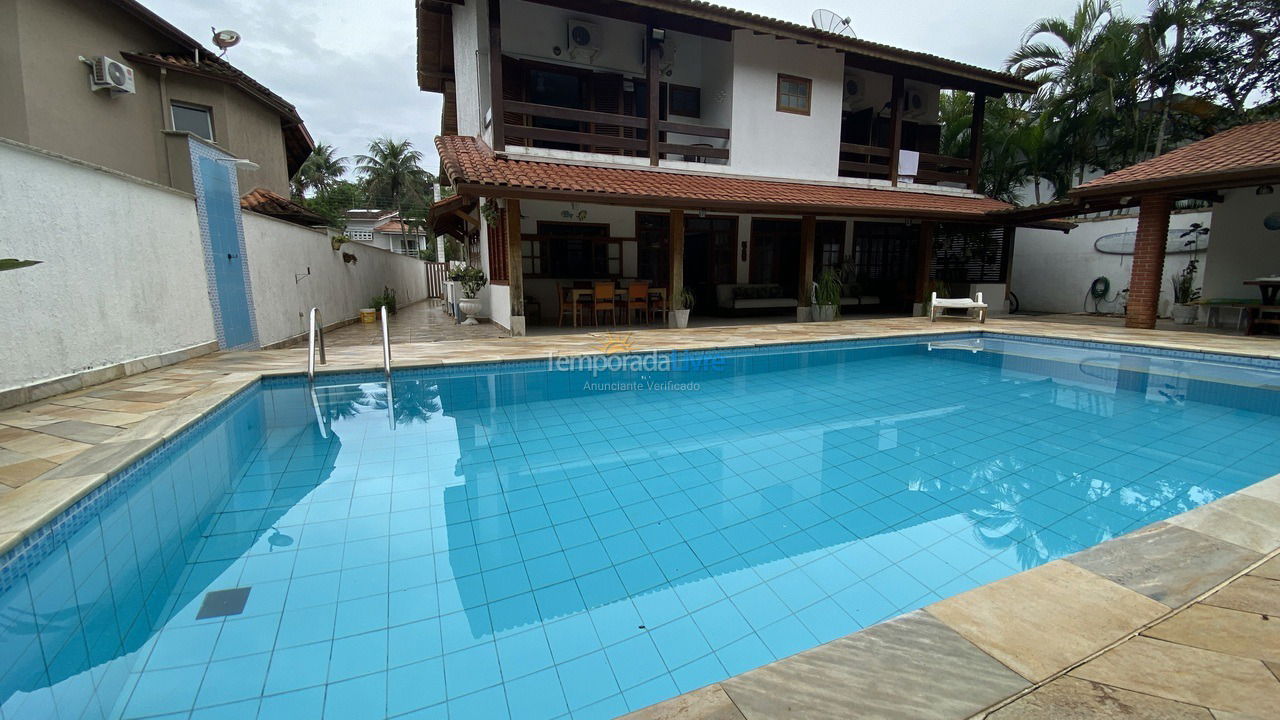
(965, 304)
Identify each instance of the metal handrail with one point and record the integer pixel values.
(386, 345)
(315, 331)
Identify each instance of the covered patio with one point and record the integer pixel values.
(571, 245)
(1235, 172)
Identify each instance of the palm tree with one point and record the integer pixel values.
(320, 171)
(392, 172)
(1167, 65)
(1062, 64)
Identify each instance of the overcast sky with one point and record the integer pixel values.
(348, 65)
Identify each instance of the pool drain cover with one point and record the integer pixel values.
(221, 603)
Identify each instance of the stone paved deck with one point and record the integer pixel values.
(1169, 621)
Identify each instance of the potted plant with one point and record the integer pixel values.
(386, 299)
(683, 304)
(471, 279)
(1185, 295)
(826, 297)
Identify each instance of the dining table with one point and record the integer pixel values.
(580, 296)
(1268, 313)
(1270, 288)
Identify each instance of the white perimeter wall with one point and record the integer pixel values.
(279, 250)
(1052, 271)
(123, 278)
(122, 274)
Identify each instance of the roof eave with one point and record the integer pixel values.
(1190, 183)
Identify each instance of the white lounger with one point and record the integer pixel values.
(959, 304)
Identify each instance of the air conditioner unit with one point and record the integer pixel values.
(855, 90)
(583, 41)
(913, 105)
(111, 75)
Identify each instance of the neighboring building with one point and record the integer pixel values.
(695, 145)
(177, 85)
(382, 229)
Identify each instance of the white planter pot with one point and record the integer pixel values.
(1185, 314)
(824, 313)
(469, 307)
(681, 318)
(517, 326)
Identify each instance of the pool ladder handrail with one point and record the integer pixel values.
(386, 369)
(315, 332)
(386, 346)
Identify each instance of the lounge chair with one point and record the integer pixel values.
(957, 304)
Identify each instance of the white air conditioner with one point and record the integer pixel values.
(111, 75)
(913, 105)
(583, 40)
(855, 91)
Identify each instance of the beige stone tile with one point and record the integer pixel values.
(101, 417)
(1244, 520)
(21, 473)
(1228, 715)
(89, 433)
(708, 703)
(35, 504)
(1227, 631)
(105, 458)
(1186, 674)
(1268, 569)
(1069, 698)
(1043, 620)
(1250, 593)
(26, 419)
(1268, 489)
(39, 445)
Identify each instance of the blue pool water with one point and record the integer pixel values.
(511, 541)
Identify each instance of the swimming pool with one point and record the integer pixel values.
(585, 540)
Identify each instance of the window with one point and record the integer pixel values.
(579, 250)
(685, 101)
(531, 257)
(194, 119)
(793, 94)
(829, 246)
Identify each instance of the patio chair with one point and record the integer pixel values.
(638, 299)
(566, 304)
(604, 299)
(658, 304)
(937, 304)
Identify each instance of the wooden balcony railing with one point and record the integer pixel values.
(600, 132)
(873, 161)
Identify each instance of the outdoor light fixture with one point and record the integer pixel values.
(658, 34)
(1264, 190)
(240, 163)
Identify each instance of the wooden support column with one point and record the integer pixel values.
(804, 296)
(654, 82)
(975, 139)
(1148, 261)
(495, 74)
(515, 258)
(675, 262)
(924, 261)
(895, 128)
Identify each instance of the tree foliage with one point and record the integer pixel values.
(1115, 90)
(388, 177)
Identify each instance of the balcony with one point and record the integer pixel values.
(566, 128)
(872, 161)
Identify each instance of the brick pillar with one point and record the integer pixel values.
(1148, 261)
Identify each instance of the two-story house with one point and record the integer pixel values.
(383, 229)
(691, 145)
(113, 84)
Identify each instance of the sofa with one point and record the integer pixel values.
(733, 297)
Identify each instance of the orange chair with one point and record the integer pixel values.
(638, 299)
(604, 299)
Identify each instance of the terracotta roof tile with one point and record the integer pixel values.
(1225, 157)
(265, 202)
(468, 161)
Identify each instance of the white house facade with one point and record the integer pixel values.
(693, 146)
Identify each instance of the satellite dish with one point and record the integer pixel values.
(225, 39)
(829, 21)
